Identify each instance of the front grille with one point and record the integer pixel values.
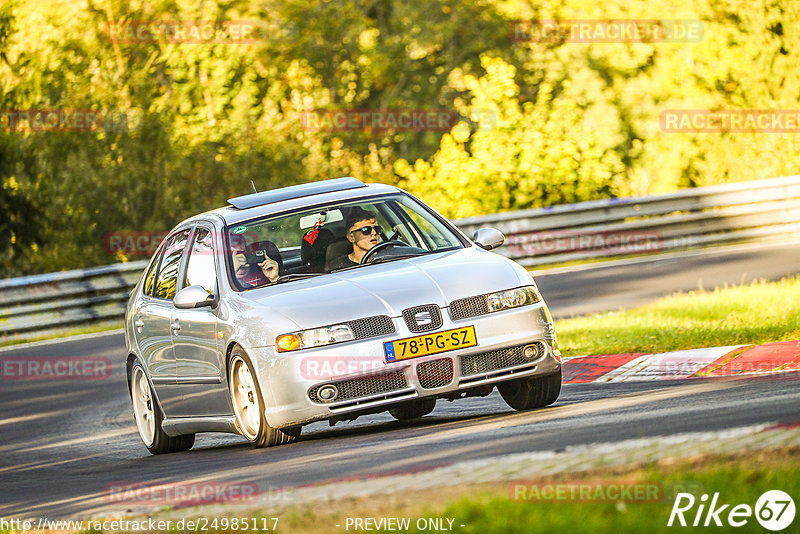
(372, 326)
(429, 314)
(498, 359)
(435, 373)
(365, 386)
(469, 307)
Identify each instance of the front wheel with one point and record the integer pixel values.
(248, 405)
(148, 417)
(533, 392)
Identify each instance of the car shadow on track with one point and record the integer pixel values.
(446, 415)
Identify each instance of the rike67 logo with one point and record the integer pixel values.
(774, 510)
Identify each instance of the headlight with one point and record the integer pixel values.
(512, 298)
(314, 337)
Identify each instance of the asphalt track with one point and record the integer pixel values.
(594, 288)
(64, 442)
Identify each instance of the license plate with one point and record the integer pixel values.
(414, 347)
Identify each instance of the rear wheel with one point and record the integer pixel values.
(148, 417)
(413, 409)
(533, 392)
(248, 405)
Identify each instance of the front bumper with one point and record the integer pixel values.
(291, 381)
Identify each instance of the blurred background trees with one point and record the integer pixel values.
(187, 126)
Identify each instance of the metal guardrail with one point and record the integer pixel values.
(618, 227)
(36, 305)
(764, 209)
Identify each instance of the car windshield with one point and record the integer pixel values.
(333, 237)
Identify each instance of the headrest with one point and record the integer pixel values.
(315, 253)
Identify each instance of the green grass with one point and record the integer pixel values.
(492, 507)
(759, 312)
(738, 483)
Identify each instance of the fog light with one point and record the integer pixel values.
(327, 393)
(532, 352)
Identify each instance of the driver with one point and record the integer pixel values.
(363, 234)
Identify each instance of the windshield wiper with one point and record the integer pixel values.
(384, 259)
(376, 261)
(295, 276)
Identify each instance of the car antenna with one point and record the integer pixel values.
(253, 186)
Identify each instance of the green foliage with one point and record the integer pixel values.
(578, 121)
(760, 312)
(537, 153)
(189, 125)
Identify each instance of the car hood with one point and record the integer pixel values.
(390, 288)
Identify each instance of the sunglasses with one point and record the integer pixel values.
(367, 230)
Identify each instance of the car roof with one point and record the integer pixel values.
(294, 197)
(295, 191)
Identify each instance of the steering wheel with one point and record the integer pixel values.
(380, 246)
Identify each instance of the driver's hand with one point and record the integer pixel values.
(270, 269)
(239, 261)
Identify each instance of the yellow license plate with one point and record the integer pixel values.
(414, 347)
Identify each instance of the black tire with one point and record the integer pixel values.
(534, 392)
(148, 416)
(248, 405)
(413, 409)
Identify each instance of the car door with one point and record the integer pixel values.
(154, 321)
(198, 355)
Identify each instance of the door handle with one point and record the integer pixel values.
(176, 326)
(138, 323)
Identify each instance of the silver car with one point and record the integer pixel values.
(328, 301)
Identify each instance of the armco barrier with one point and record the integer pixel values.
(31, 305)
(688, 218)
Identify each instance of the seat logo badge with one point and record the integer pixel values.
(423, 318)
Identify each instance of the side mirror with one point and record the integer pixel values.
(488, 238)
(193, 297)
